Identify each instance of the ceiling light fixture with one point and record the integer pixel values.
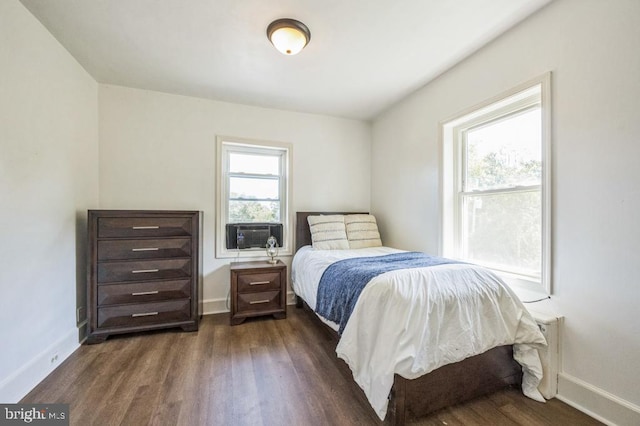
(288, 35)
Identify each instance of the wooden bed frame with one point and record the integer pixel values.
(446, 386)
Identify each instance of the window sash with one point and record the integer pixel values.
(507, 113)
(464, 240)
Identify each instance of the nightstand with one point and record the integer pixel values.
(258, 288)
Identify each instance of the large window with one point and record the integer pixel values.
(496, 186)
(253, 187)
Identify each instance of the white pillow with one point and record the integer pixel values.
(328, 232)
(362, 231)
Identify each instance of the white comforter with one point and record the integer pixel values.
(412, 321)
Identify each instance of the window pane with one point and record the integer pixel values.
(254, 188)
(505, 153)
(254, 164)
(504, 231)
(254, 211)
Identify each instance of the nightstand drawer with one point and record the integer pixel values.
(248, 283)
(144, 227)
(143, 249)
(143, 270)
(143, 292)
(258, 302)
(144, 313)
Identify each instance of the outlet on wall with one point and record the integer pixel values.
(80, 314)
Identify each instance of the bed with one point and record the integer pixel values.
(403, 380)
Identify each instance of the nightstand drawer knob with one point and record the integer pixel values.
(145, 293)
(145, 227)
(144, 271)
(256, 302)
(259, 282)
(145, 249)
(145, 314)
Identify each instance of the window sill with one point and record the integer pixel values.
(249, 254)
(527, 290)
(529, 296)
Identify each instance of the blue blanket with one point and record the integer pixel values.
(343, 281)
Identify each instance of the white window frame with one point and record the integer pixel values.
(534, 92)
(225, 145)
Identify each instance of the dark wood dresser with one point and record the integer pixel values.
(258, 288)
(144, 271)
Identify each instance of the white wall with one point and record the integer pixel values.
(48, 178)
(157, 151)
(592, 47)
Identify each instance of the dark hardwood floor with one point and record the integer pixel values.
(263, 372)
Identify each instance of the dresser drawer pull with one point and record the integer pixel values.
(257, 302)
(145, 227)
(144, 293)
(144, 271)
(146, 249)
(259, 282)
(144, 314)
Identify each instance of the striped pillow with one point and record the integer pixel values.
(328, 232)
(362, 231)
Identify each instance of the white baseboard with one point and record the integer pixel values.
(214, 306)
(22, 381)
(597, 403)
(218, 306)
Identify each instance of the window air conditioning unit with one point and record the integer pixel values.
(252, 235)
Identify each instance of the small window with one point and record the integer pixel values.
(496, 199)
(253, 187)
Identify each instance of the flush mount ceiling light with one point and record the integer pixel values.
(288, 35)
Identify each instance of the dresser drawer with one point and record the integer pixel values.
(258, 302)
(258, 282)
(144, 313)
(144, 249)
(114, 227)
(151, 291)
(143, 270)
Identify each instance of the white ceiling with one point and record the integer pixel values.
(364, 55)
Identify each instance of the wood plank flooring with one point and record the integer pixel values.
(263, 372)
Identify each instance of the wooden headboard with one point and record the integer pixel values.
(303, 234)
